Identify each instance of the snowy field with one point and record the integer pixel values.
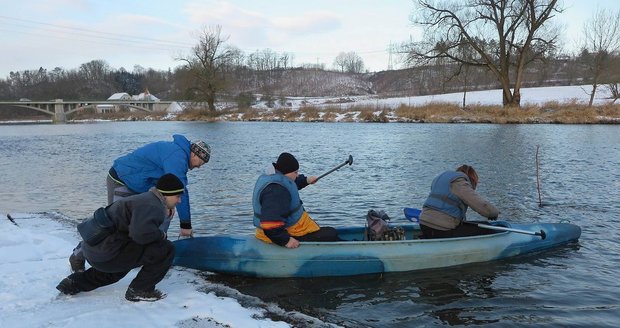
(529, 96)
(578, 94)
(33, 259)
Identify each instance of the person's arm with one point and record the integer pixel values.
(144, 225)
(463, 190)
(185, 217)
(177, 164)
(302, 181)
(275, 201)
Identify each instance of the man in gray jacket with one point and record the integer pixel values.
(127, 234)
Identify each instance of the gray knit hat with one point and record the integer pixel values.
(202, 150)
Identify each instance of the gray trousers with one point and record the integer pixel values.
(116, 190)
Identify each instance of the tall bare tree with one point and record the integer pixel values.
(504, 36)
(349, 62)
(207, 64)
(601, 41)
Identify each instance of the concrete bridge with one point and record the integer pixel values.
(58, 108)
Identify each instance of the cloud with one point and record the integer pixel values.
(308, 23)
(57, 6)
(249, 28)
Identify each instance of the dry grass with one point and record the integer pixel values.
(551, 112)
(118, 116)
(198, 115)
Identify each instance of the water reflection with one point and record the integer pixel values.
(454, 296)
(449, 297)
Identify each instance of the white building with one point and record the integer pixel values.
(125, 98)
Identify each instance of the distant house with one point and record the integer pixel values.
(120, 96)
(145, 96)
(109, 108)
(124, 98)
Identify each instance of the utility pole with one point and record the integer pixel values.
(390, 50)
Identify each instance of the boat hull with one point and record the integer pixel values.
(248, 256)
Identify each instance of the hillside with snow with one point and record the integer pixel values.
(578, 94)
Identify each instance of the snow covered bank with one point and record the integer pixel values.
(33, 259)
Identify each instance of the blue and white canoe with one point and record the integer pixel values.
(248, 256)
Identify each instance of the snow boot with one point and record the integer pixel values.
(77, 263)
(68, 287)
(135, 295)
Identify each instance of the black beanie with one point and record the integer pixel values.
(169, 185)
(286, 163)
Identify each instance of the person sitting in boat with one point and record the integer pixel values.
(452, 192)
(279, 216)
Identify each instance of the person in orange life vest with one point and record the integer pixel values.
(279, 216)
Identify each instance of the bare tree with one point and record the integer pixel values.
(614, 90)
(207, 65)
(95, 70)
(601, 41)
(349, 62)
(340, 62)
(504, 36)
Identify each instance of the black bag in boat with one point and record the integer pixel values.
(378, 228)
(95, 229)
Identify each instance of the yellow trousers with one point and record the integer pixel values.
(304, 226)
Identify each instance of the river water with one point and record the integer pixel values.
(63, 167)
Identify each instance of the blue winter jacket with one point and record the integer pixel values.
(140, 169)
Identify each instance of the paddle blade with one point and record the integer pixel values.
(543, 235)
(412, 214)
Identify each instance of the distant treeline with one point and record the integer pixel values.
(96, 80)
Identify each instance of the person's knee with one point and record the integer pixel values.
(160, 251)
(330, 234)
(171, 251)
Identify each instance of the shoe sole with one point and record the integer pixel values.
(144, 299)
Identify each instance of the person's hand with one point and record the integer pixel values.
(311, 179)
(292, 243)
(186, 233)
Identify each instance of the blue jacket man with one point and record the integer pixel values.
(139, 170)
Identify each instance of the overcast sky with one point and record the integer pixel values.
(67, 33)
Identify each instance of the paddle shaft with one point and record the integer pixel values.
(410, 213)
(348, 161)
(540, 233)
